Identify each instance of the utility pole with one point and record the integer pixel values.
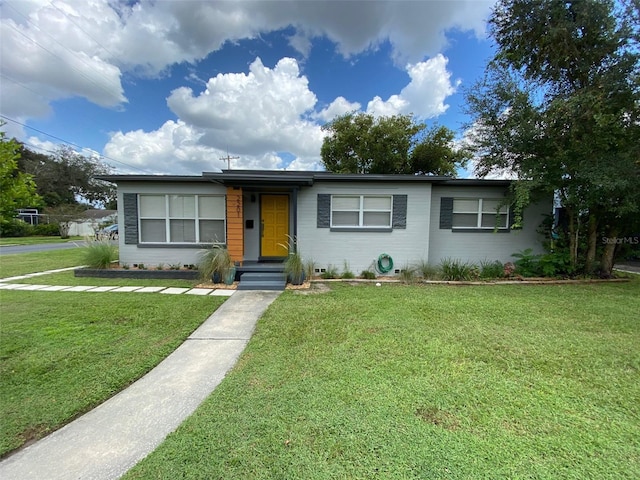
(228, 158)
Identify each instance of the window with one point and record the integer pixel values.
(361, 211)
(482, 213)
(182, 218)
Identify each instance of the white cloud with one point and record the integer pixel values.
(257, 115)
(425, 94)
(263, 110)
(62, 49)
(340, 106)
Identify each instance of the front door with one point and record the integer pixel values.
(274, 215)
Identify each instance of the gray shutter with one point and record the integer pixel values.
(446, 212)
(399, 211)
(130, 209)
(324, 210)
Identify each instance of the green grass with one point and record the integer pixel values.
(22, 263)
(478, 382)
(36, 240)
(62, 354)
(68, 278)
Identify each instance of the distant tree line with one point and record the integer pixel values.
(61, 185)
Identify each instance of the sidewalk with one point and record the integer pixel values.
(109, 440)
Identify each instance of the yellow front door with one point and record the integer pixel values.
(274, 215)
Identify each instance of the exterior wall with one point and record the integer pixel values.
(361, 249)
(234, 224)
(178, 254)
(486, 245)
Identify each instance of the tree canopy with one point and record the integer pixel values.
(560, 107)
(17, 189)
(362, 143)
(65, 177)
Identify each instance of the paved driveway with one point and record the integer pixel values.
(43, 247)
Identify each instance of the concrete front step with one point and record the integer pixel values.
(262, 281)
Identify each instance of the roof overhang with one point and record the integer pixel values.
(290, 179)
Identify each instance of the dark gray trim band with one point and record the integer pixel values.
(480, 230)
(175, 245)
(360, 229)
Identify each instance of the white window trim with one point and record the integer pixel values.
(167, 218)
(480, 211)
(361, 211)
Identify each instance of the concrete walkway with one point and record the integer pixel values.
(109, 440)
(5, 285)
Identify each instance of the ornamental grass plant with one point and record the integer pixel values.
(100, 254)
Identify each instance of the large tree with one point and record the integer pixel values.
(362, 143)
(67, 177)
(559, 106)
(17, 189)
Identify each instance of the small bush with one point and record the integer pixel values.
(15, 228)
(493, 269)
(330, 272)
(408, 274)
(427, 271)
(100, 254)
(47, 229)
(346, 271)
(457, 270)
(527, 263)
(310, 268)
(368, 275)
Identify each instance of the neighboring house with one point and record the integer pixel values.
(92, 221)
(335, 218)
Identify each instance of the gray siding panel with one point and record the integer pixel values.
(446, 212)
(399, 211)
(324, 210)
(130, 209)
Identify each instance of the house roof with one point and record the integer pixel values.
(283, 178)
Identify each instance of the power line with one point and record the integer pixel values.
(82, 30)
(101, 86)
(74, 144)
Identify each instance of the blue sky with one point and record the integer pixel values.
(171, 86)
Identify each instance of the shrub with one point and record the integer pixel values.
(100, 254)
(555, 263)
(47, 229)
(457, 270)
(368, 275)
(310, 268)
(527, 263)
(493, 269)
(330, 272)
(408, 274)
(427, 271)
(15, 228)
(346, 271)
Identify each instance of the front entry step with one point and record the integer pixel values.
(262, 281)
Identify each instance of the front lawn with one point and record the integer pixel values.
(22, 263)
(425, 382)
(63, 353)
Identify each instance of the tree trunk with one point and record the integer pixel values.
(592, 244)
(573, 238)
(608, 256)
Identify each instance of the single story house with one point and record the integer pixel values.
(336, 219)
